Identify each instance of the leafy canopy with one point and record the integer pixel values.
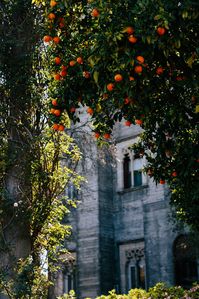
(135, 62)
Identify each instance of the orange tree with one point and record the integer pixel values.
(135, 61)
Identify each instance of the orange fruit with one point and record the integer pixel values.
(127, 101)
(63, 73)
(51, 16)
(97, 135)
(72, 109)
(162, 182)
(53, 3)
(61, 25)
(57, 60)
(140, 59)
(47, 38)
(80, 60)
(72, 62)
(57, 112)
(107, 136)
(161, 31)
(55, 127)
(86, 74)
(129, 30)
(138, 122)
(127, 123)
(64, 68)
(159, 70)
(110, 86)
(138, 69)
(57, 77)
(61, 128)
(56, 39)
(118, 78)
(174, 174)
(132, 39)
(54, 103)
(131, 78)
(89, 110)
(95, 13)
(52, 110)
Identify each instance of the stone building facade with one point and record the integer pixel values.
(123, 236)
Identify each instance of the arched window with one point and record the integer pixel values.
(185, 262)
(136, 269)
(127, 171)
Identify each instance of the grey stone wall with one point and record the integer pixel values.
(105, 181)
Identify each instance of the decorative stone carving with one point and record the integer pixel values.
(134, 254)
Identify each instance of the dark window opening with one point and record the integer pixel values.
(127, 171)
(185, 262)
(133, 278)
(137, 276)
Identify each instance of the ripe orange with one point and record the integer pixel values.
(63, 73)
(54, 103)
(132, 39)
(127, 123)
(127, 101)
(47, 38)
(118, 78)
(89, 110)
(95, 13)
(57, 60)
(57, 77)
(57, 112)
(80, 60)
(138, 122)
(138, 69)
(53, 3)
(107, 136)
(131, 78)
(159, 70)
(61, 128)
(51, 16)
(110, 86)
(162, 182)
(72, 109)
(64, 68)
(97, 135)
(55, 127)
(86, 74)
(56, 39)
(52, 110)
(61, 25)
(161, 31)
(174, 174)
(129, 30)
(72, 62)
(140, 59)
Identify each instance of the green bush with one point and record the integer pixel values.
(159, 291)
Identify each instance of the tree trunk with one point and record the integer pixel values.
(17, 26)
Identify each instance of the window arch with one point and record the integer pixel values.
(185, 261)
